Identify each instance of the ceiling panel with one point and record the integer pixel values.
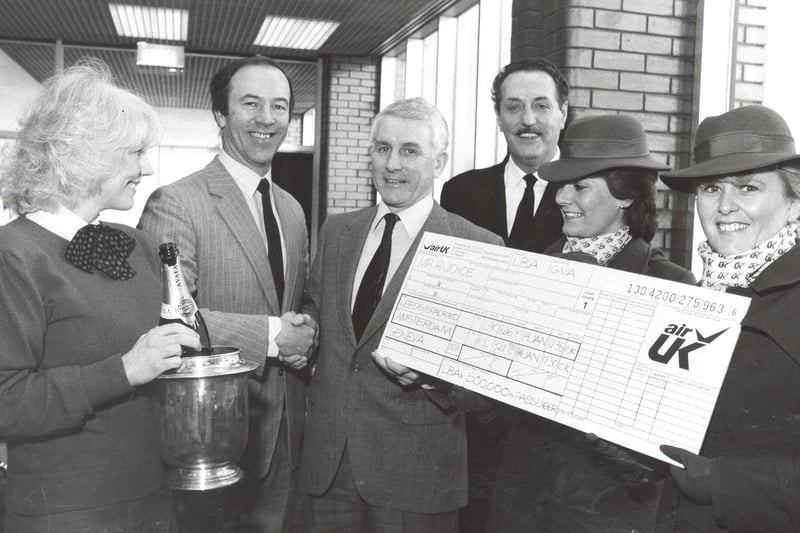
(218, 31)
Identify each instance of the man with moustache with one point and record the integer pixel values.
(511, 200)
(244, 252)
(530, 101)
(384, 448)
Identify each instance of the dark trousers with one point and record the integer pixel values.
(341, 509)
(484, 449)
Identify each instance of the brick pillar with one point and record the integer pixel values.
(526, 21)
(294, 135)
(350, 103)
(751, 52)
(625, 56)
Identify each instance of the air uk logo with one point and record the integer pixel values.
(662, 352)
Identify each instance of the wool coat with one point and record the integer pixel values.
(549, 480)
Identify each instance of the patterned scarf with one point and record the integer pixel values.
(602, 247)
(740, 270)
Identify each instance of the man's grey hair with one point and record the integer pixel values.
(416, 109)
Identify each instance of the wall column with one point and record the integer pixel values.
(625, 56)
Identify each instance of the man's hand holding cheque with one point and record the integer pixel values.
(397, 372)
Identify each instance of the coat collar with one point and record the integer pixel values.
(634, 257)
(782, 273)
(774, 295)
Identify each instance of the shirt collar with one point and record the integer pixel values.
(245, 177)
(413, 218)
(513, 174)
(62, 222)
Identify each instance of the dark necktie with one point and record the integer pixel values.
(371, 288)
(273, 239)
(103, 248)
(523, 221)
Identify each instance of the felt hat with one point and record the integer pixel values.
(744, 139)
(602, 142)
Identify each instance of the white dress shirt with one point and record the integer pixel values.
(405, 231)
(62, 222)
(247, 180)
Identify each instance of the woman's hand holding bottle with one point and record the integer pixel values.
(157, 351)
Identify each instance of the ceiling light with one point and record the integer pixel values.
(150, 22)
(160, 55)
(300, 33)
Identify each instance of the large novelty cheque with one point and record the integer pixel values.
(636, 360)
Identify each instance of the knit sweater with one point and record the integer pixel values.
(79, 435)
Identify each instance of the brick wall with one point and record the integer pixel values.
(625, 56)
(294, 135)
(351, 103)
(526, 35)
(751, 52)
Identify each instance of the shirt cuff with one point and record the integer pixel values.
(274, 326)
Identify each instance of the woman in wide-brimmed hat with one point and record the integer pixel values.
(746, 179)
(553, 478)
(607, 188)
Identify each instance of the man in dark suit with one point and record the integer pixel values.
(384, 448)
(244, 252)
(511, 200)
(530, 100)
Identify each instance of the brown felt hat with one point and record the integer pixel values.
(592, 144)
(741, 140)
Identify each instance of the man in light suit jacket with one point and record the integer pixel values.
(385, 448)
(530, 101)
(221, 218)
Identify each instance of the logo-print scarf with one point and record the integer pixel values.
(740, 270)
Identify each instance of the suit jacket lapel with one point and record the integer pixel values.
(349, 246)
(233, 210)
(437, 222)
(496, 203)
(547, 222)
(294, 251)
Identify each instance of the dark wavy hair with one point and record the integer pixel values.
(220, 86)
(530, 65)
(638, 185)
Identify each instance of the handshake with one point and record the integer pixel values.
(297, 340)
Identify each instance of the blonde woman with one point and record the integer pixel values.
(79, 306)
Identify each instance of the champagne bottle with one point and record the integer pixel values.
(178, 306)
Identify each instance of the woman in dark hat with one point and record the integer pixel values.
(607, 191)
(553, 478)
(746, 179)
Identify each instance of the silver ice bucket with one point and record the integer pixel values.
(202, 419)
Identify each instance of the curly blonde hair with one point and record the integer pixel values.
(73, 138)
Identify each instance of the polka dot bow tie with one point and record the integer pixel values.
(104, 248)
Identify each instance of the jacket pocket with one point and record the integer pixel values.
(424, 411)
